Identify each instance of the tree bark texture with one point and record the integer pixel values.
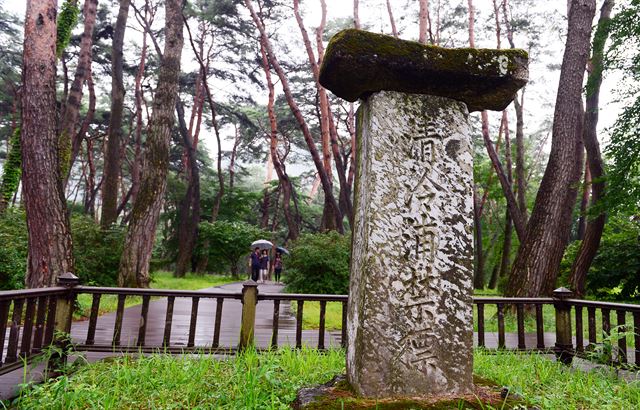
(112, 158)
(189, 211)
(595, 225)
(70, 141)
(535, 268)
(134, 264)
(50, 245)
(327, 185)
(584, 202)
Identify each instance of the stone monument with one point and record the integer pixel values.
(410, 325)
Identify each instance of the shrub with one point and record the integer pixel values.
(13, 251)
(96, 251)
(614, 271)
(319, 263)
(228, 242)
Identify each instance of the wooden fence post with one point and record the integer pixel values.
(249, 301)
(564, 337)
(64, 314)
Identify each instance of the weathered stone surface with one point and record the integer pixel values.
(410, 307)
(358, 63)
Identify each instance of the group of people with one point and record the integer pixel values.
(261, 268)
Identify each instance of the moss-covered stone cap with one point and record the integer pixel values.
(358, 63)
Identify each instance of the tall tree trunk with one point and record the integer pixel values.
(189, 212)
(535, 268)
(356, 14)
(595, 226)
(505, 259)
(232, 160)
(50, 245)
(327, 185)
(584, 202)
(138, 157)
(521, 179)
(327, 127)
(112, 158)
(478, 273)
(69, 140)
(285, 183)
(134, 265)
(423, 22)
(392, 21)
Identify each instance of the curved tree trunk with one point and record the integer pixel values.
(535, 268)
(595, 226)
(134, 264)
(69, 140)
(189, 212)
(50, 245)
(285, 182)
(327, 185)
(112, 158)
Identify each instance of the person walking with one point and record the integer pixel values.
(255, 265)
(264, 265)
(277, 266)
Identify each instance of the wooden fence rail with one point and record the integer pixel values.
(29, 319)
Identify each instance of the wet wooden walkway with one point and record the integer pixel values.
(229, 335)
(230, 324)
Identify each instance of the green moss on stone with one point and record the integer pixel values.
(358, 63)
(342, 397)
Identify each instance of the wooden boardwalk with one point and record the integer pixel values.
(229, 334)
(230, 324)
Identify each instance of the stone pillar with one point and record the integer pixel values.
(410, 325)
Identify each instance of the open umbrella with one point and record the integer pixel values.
(262, 244)
(282, 250)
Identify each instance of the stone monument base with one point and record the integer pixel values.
(339, 395)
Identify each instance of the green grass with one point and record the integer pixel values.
(551, 385)
(160, 280)
(311, 315)
(252, 381)
(270, 381)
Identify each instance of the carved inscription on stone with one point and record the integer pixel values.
(409, 317)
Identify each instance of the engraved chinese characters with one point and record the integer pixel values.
(409, 319)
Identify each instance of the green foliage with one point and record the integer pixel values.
(614, 271)
(624, 148)
(249, 381)
(607, 351)
(228, 241)
(96, 251)
(13, 251)
(67, 20)
(319, 263)
(12, 169)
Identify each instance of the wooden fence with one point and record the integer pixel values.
(32, 319)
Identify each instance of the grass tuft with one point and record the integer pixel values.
(271, 380)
